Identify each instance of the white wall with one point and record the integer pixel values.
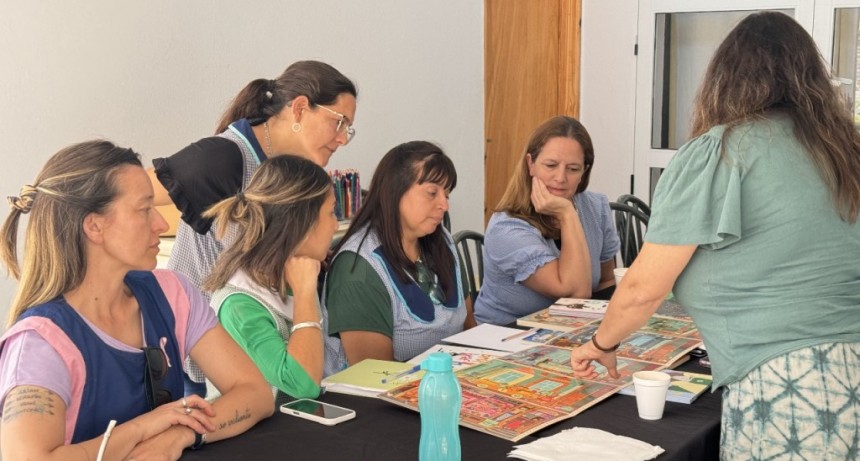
(607, 91)
(156, 75)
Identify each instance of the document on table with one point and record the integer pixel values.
(488, 336)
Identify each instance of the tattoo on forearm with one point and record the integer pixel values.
(27, 399)
(237, 418)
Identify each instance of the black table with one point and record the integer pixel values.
(383, 431)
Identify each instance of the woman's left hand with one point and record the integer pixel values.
(582, 356)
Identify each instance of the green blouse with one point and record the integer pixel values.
(776, 269)
(352, 282)
(253, 328)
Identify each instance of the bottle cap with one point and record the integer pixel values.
(437, 361)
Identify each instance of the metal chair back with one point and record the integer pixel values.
(636, 202)
(470, 252)
(631, 223)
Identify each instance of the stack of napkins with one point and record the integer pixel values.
(584, 444)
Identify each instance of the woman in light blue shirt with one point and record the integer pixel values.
(549, 237)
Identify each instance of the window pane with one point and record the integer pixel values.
(845, 62)
(683, 45)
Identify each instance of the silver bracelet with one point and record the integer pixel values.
(299, 326)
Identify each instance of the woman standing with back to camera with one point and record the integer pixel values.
(754, 224)
(307, 111)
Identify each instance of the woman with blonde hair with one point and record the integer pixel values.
(549, 237)
(265, 283)
(753, 228)
(97, 337)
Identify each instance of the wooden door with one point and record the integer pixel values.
(531, 73)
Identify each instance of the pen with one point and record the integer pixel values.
(519, 335)
(401, 374)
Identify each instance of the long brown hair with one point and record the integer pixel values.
(263, 98)
(516, 200)
(404, 165)
(76, 181)
(280, 206)
(767, 64)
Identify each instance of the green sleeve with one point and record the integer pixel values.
(698, 198)
(252, 326)
(356, 297)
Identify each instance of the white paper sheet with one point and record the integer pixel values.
(488, 336)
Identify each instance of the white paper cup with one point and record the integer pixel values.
(651, 388)
(619, 273)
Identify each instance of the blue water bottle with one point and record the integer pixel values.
(439, 401)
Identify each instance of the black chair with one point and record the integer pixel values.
(470, 252)
(636, 202)
(631, 223)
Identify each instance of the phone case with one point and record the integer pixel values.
(319, 419)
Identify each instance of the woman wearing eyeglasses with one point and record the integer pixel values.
(97, 336)
(265, 284)
(395, 288)
(549, 237)
(307, 111)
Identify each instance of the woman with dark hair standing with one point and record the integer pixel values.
(395, 287)
(307, 111)
(549, 238)
(754, 225)
(264, 286)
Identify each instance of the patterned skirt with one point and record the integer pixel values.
(804, 405)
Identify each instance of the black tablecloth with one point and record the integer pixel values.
(383, 431)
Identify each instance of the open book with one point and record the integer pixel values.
(369, 377)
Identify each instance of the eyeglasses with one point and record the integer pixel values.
(156, 370)
(343, 125)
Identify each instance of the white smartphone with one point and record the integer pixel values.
(323, 413)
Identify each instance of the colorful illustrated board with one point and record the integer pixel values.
(520, 393)
(543, 319)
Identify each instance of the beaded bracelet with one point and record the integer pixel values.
(299, 326)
